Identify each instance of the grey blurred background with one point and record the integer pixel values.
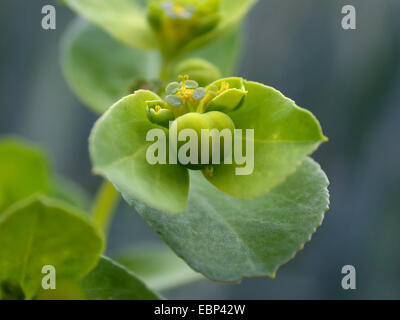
(349, 79)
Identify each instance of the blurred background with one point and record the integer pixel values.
(349, 79)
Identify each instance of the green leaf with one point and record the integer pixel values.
(159, 267)
(99, 69)
(232, 12)
(38, 232)
(284, 135)
(118, 151)
(126, 20)
(228, 239)
(223, 53)
(111, 281)
(65, 290)
(24, 170)
(71, 193)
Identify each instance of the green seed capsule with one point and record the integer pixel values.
(158, 114)
(198, 122)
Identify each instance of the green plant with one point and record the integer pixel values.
(226, 226)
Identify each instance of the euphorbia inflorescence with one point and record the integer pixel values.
(177, 22)
(186, 96)
(203, 110)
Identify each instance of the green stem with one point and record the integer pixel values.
(104, 206)
(166, 64)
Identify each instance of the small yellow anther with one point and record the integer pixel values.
(183, 79)
(157, 108)
(224, 86)
(183, 92)
(178, 9)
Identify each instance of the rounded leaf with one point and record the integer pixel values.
(118, 149)
(284, 135)
(158, 266)
(39, 232)
(224, 53)
(24, 170)
(228, 239)
(111, 281)
(99, 69)
(231, 14)
(123, 19)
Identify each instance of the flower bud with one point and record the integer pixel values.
(198, 69)
(228, 95)
(225, 95)
(178, 22)
(157, 113)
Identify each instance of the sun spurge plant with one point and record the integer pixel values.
(216, 164)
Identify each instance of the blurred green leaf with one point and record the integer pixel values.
(228, 239)
(111, 281)
(224, 53)
(284, 135)
(118, 151)
(71, 193)
(232, 12)
(65, 290)
(38, 232)
(24, 170)
(11, 291)
(158, 266)
(126, 20)
(99, 69)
